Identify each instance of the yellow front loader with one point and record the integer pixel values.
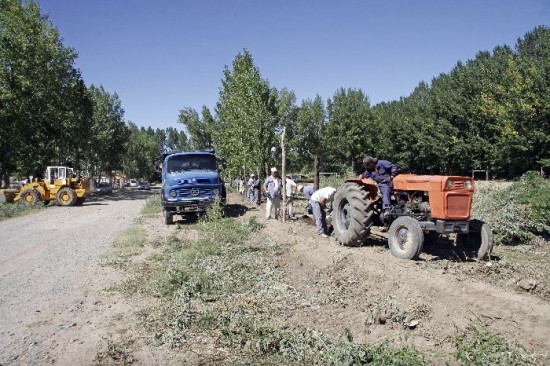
(60, 184)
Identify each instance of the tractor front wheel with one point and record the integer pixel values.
(405, 238)
(480, 239)
(30, 197)
(66, 197)
(351, 214)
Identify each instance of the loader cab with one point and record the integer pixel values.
(54, 173)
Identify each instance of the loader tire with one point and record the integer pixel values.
(351, 215)
(479, 240)
(66, 197)
(405, 238)
(29, 197)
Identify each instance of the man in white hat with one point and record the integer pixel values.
(273, 187)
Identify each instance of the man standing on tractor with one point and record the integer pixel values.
(382, 172)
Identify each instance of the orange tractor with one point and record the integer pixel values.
(60, 184)
(423, 208)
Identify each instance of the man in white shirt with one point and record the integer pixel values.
(319, 201)
(290, 190)
(273, 187)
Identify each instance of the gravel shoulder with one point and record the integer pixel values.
(50, 267)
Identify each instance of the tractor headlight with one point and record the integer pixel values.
(173, 193)
(449, 184)
(468, 184)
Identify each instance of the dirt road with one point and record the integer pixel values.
(50, 271)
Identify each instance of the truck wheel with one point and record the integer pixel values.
(29, 197)
(168, 217)
(66, 197)
(405, 238)
(351, 215)
(479, 239)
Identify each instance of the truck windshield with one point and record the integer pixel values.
(185, 163)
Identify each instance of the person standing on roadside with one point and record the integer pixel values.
(241, 187)
(290, 186)
(319, 202)
(273, 187)
(250, 188)
(256, 186)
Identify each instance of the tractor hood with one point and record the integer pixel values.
(192, 177)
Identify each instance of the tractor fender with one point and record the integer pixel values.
(368, 184)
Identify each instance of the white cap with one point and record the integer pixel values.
(252, 175)
(273, 170)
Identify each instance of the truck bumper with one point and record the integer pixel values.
(188, 206)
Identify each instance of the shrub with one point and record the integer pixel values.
(517, 213)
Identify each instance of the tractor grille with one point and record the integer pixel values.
(194, 192)
(458, 184)
(458, 206)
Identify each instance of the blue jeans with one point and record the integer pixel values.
(320, 217)
(386, 190)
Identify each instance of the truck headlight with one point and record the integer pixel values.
(449, 184)
(468, 184)
(173, 193)
(216, 191)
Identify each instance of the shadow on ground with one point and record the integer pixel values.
(119, 195)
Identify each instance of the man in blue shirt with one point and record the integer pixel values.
(308, 192)
(382, 172)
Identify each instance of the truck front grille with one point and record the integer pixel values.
(194, 192)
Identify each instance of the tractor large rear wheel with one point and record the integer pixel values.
(351, 215)
(66, 197)
(405, 238)
(29, 197)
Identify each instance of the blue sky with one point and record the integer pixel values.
(161, 56)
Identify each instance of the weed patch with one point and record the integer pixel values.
(9, 210)
(126, 244)
(152, 206)
(518, 213)
(477, 345)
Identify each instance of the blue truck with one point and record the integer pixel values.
(191, 182)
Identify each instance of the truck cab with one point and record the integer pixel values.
(191, 182)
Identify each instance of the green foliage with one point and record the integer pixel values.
(9, 210)
(350, 131)
(477, 345)
(247, 117)
(152, 206)
(200, 130)
(44, 102)
(516, 213)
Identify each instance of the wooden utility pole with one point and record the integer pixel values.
(283, 172)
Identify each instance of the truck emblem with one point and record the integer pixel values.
(195, 191)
